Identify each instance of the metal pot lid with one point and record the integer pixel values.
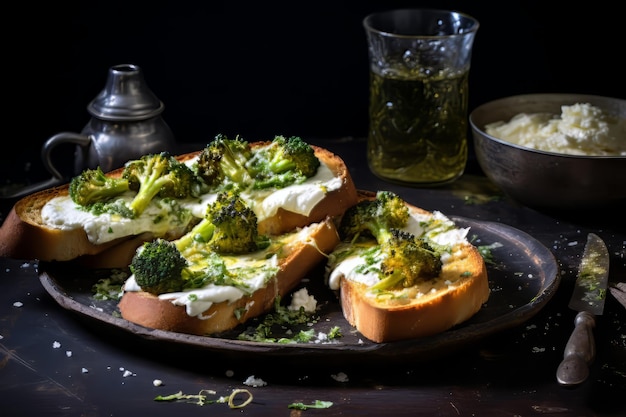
(125, 97)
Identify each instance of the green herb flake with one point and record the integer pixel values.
(334, 333)
(316, 404)
(109, 288)
(473, 200)
(199, 399)
(486, 252)
(239, 312)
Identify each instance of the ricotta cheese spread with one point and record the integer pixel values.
(581, 129)
(254, 271)
(162, 217)
(359, 266)
(197, 301)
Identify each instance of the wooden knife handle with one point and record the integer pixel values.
(580, 351)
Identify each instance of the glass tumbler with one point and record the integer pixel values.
(419, 61)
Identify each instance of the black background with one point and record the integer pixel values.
(259, 69)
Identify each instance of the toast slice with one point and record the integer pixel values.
(297, 252)
(423, 309)
(25, 234)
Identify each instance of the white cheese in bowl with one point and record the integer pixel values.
(581, 129)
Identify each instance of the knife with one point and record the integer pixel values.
(588, 299)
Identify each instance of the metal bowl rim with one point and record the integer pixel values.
(556, 96)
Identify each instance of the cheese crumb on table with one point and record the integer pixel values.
(251, 381)
(340, 377)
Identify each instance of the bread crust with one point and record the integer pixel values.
(381, 321)
(23, 234)
(334, 203)
(148, 310)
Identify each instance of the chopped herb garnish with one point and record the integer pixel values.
(472, 200)
(485, 252)
(109, 288)
(316, 404)
(282, 320)
(201, 398)
(334, 333)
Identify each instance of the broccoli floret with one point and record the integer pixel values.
(158, 267)
(236, 226)
(93, 186)
(407, 258)
(229, 226)
(225, 158)
(284, 162)
(292, 154)
(159, 174)
(281, 163)
(375, 217)
(112, 207)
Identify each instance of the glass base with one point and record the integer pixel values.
(417, 184)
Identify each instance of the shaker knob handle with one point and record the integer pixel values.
(46, 151)
(54, 141)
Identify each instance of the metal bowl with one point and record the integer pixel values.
(542, 179)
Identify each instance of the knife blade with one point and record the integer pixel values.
(588, 299)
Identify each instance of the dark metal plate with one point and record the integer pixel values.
(523, 277)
